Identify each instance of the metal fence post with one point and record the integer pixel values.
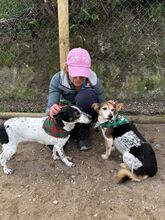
(63, 26)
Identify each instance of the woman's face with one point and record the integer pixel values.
(77, 81)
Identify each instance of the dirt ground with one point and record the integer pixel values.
(42, 189)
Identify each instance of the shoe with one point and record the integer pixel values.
(83, 137)
(84, 147)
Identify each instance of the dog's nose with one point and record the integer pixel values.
(110, 116)
(89, 116)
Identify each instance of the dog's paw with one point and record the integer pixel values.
(105, 156)
(70, 164)
(69, 158)
(8, 171)
(55, 157)
(123, 165)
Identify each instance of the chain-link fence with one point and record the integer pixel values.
(126, 39)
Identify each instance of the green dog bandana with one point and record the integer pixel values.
(115, 122)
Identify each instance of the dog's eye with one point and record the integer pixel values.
(105, 108)
(113, 110)
(77, 114)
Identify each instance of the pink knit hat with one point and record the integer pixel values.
(79, 63)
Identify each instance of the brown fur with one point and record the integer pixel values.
(96, 107)
(108, 132)
(124, 172)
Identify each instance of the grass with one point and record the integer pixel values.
(7, 56)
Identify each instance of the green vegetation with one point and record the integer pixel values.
(125, 38)
(17, 83)
(7, 57)
(13, 8)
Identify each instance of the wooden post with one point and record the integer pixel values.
(63, 26)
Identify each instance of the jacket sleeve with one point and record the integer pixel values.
(99, 91)
(54, 92)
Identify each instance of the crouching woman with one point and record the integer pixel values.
(77, 84)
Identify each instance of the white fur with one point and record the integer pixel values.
(23, 129)
(131, 161)
(125, 142)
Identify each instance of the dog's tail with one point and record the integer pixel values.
(4, 139)
(125, 174)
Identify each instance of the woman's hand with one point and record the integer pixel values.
(54, 110)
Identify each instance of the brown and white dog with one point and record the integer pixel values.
(139, 161)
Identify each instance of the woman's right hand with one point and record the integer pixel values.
(54, 110)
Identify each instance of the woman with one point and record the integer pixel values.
(77, 84)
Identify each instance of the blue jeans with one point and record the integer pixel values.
(84, 99)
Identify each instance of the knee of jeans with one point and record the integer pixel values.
(84, 101)
(85, 98)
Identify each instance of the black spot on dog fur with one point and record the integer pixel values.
(4, 139)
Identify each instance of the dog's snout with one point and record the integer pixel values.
(88, 116)
(110, 116)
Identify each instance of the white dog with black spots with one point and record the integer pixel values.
(23, 129)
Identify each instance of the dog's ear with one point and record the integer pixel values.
(112, 102)
(119, 106)
(96, 106)
(58, 118)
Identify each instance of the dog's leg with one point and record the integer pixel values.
(123, 165)
(7, 153)
(125, 174)
(108, 146)
(62, 155)
(131, 161)
(55, 156)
